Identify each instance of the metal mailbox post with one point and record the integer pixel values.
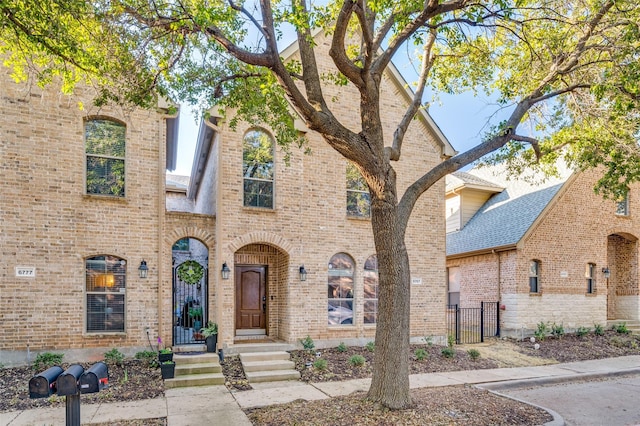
(70, 383)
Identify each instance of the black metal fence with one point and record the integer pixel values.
(472, 325)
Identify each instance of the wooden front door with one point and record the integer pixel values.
(251, 297)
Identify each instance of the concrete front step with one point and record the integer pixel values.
(203, 368)
(241, 348)
(272, 376)
(271, 365)
(203, 358)
(194, 380)
(264, 356)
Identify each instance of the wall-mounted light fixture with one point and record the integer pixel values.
(303, 273)
(143, 269)
(225, 271)
(606, 272)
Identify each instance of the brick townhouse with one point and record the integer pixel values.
(101, 249)
(549, 251)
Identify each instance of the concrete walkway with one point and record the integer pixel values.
(217, 405)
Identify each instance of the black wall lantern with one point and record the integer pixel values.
(225, 271)
(143, 269)
(303, 273)
(606, 272)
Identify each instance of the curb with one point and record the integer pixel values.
(557, 418)
(552, 380)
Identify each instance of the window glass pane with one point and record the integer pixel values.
(258, 169)
(533, 284)
(371, 290)
(181, 245)
(105, 176)
(105, 138)
(105, 149)
(105, 286)
(358, 198)
(622, 206)
(340, 289)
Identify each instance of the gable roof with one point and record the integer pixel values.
(458, 180)
(506, 217)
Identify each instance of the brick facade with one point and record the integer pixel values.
(578, 227)
(47, 222)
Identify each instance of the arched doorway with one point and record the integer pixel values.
(190, 290)
(261, 274)
(622, 284)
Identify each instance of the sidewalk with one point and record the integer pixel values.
(217, 405)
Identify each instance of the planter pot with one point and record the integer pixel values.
(212, 342)
(165, 357)
(168, 370)
(197, 325)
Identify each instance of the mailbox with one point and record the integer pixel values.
(44, 384)
(68, 381)
(95, 378)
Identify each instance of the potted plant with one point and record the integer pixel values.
(210, 334)
(168, 369)
(195, 313)
(164, 354)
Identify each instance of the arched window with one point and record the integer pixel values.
(371, 290)
(341, 268)
(105, 288)
(257, 169)
(358, 198)
(534, 276)
(105, 153)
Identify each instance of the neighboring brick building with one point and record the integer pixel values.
(85, 200)
(82, 206)
(554, 252)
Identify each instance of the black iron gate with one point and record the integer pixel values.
(190, 308)
(472, 325)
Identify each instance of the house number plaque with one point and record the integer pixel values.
(25, 271)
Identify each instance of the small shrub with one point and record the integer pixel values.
(448, 352)
(618, 342)
(622, 328)
(541, 331)
(474, 354)
(357, 361)
(421, 354)
(148, 357)
(428, 340)
(557, 330)
(582, 331)
(371, 346)
(598, 330)
(114, 356)
(342, 347)
(46, 360)
(320, 364)
(451, 340)
(307, 343)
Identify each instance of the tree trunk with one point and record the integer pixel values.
(390, 383)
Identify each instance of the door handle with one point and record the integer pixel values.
(264, 308)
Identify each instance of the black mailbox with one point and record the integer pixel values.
(68, 381)
(44, 384)
(95, 378)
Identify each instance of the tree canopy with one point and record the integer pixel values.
(565, 75)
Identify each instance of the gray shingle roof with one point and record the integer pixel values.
(459, 179)
(505, 217)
